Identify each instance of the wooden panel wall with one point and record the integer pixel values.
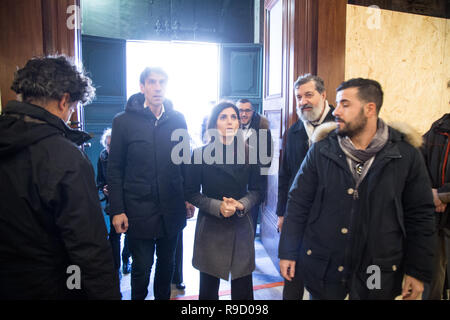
(31, 28)
(313, 42)
(331, 44)
(20, 39)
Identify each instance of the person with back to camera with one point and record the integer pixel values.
(53, 237)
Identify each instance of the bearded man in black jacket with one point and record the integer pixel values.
(145, 185)
(53, 238)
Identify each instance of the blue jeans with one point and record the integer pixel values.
(142, 253)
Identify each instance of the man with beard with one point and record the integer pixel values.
(312, 110)
(359, 218)
(53, 239)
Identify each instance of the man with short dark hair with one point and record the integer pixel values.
(312, 110)
(146, 186)
(53, 238)
(359, 219)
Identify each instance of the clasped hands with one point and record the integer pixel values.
(229, 206)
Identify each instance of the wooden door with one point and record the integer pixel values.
(290, 49)
(105, 60)
(274, 108)
(241, 73)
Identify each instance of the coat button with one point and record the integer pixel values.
(344, 230)
(309, 252)
(341, 268)
(394, 268)
(350, 191)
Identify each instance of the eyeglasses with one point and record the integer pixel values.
(245, 110)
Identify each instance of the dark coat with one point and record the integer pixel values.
(335, 233)
(223, 245)
(50, 214)
(436, 152)
(144, 182)
(294, 152)
(259, 122)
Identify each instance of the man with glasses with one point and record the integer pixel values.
(253, 123)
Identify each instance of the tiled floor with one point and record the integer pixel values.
(267, 282)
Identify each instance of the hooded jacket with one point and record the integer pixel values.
(144, 182)
(436, 152)
(337, 233)
(50, 215)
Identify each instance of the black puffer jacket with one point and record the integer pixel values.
(102, 168)
(144, 182)
(296, 147)
(335, 231)
(50, 215)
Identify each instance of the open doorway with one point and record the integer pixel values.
(193, 70)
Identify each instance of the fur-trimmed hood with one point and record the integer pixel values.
(411, 135)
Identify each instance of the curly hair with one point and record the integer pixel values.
(301, 80)
(50, 77)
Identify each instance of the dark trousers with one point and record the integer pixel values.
(177, 277)
(294, 290)
(114, 239)
(241, 288)
(142, 252)
(435, 289)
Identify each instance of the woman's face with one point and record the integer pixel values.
(227, 122)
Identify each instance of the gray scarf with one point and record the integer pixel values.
(360, 160)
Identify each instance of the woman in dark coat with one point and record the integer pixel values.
(224, 186)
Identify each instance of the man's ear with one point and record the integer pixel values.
(64, 102)
(324, 95)
(371, 109)
(142, 86)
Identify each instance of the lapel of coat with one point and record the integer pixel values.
(231, 169)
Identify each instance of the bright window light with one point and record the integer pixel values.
(193, 70)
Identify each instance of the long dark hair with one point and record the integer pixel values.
(212, 124)
(212, 121)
